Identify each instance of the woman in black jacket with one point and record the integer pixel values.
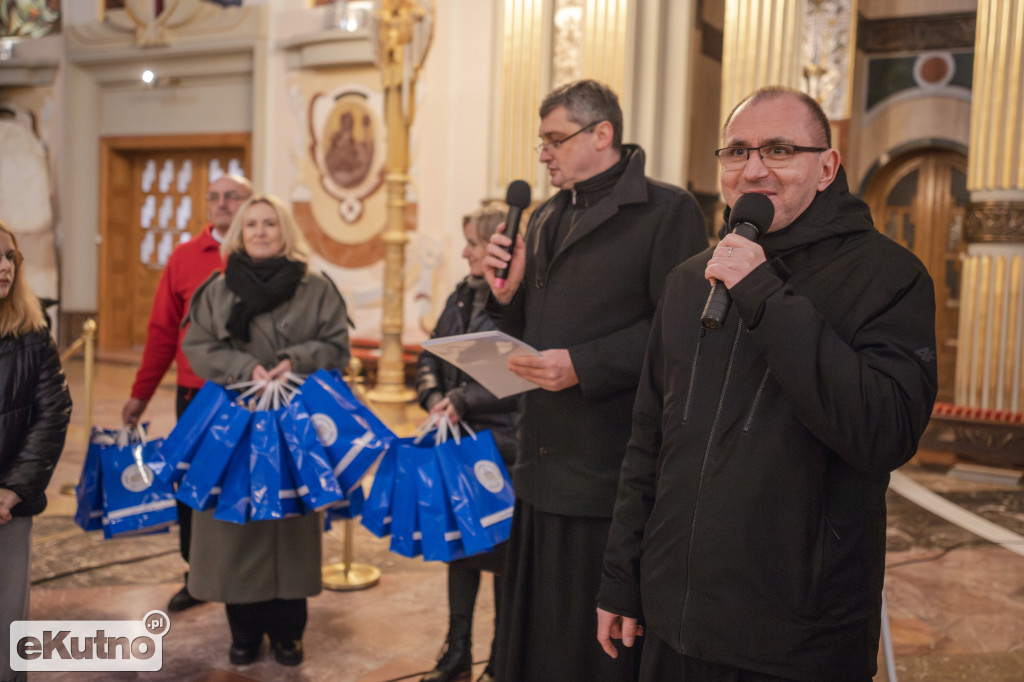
(34, 410)
(442, 388)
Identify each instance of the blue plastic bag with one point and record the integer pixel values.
(202, 482)
(377, 510)
(233, 499)
(134, 499)
(89, 491)
(405, 530)
(479, 490)
(441, 538)
(312, 472)
(350, 433)
(350, 507)
(272, 494)
(179, 448)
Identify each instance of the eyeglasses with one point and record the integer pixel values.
(13, 256)
(772, 155)
(230, 195)
(555, 144)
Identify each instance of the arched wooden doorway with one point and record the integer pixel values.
(917, 199)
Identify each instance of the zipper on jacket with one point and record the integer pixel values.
(693, 376)
(757, 401)
(703, 468)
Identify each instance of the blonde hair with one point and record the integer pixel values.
(486, 220)
(295, 246)
(20, 311)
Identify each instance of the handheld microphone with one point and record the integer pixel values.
(751, 216)
(517, 198)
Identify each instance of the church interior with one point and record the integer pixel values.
(382, 123)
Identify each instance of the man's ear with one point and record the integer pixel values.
(829, 168)
(604, 134)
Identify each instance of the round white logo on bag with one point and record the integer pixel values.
(489, 476)
(132, 479)
(326, 430)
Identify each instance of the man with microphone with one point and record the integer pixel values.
(581, 286)
(749, 530)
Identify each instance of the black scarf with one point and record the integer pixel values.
(260, 286)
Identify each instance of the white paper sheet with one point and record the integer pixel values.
(484, 356)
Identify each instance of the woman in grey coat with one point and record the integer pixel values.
(265, 316)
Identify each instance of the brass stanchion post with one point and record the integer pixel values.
(348, 575)
(89, 339)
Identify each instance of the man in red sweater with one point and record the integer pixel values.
(189, 266)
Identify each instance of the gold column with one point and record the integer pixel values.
(990, 353)
(762, 44)
(399, 36)
(520, 80)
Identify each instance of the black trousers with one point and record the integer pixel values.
(184, 397)
(283, 620)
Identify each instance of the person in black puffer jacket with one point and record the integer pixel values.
(34, 411)
(441, 387)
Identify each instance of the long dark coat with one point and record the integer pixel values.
(595, 295)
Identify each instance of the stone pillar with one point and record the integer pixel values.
(990, 353)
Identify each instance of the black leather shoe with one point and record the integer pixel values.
(455, 664)
(182, 600)
(243, 655)
(288, 653)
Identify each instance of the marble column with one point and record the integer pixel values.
(990, 355)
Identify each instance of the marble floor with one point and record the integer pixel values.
(955, 600)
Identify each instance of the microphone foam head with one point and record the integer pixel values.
(755, 209)
(518, 194)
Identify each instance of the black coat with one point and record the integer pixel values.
(35, 407)
(595, 296)
(749, 528)
(436, 378)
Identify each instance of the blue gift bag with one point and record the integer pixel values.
(272, 492)
(134, 499)
(89, 491)
(441, 538)
(233, 500)
(202, 482)
(405, 531)
(179, 448)
(312, 472)
(479, 490)
(350, 507)
(351, 434)
(377, 510)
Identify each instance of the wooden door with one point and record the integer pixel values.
(153, 198)
(917, 200)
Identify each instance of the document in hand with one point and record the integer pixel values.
(484, 356)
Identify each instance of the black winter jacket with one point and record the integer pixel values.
(749, 528)
(436, 378)
(594, 295)
(35, 407)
